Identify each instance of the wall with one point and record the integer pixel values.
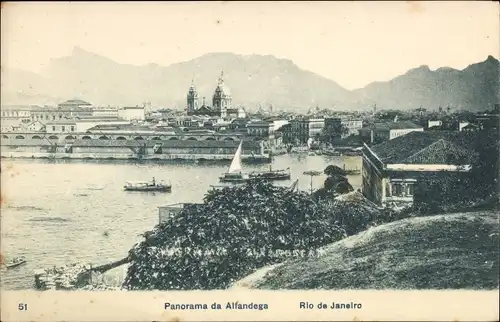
(116, 150)
(434, 123)
(60, 127)
(316, 127)
(373, 182)
(400, 132)
(353, 126)
(83, 125)
(130, 114)
(105, 112)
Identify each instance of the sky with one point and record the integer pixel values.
(352, 43)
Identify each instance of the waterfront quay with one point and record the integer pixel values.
(130, 147)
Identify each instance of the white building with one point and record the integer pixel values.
(462, 124)
(105, 112)
(136, 113)
(35, 126)
(434, 123)
(14, 117)
(81, 125)
(316, 126)
(277, 124)
(61, 126)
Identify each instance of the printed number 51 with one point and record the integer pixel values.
(22, 307)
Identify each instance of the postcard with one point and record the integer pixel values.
(250, 161)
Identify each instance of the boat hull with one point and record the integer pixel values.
(271, 176)
(233, 180)
(13, 265)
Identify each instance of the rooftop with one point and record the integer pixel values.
(258, 123)
(132, 108)
(75, 102)
(386, 126)
(427, 148)
(119, 127)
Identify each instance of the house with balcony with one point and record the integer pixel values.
(300, 130)
(392, 170)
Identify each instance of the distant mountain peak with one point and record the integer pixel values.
(424, 67)
(80, 53)
(77, 50)
(491, 60)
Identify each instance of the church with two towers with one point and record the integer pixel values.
(222, 103)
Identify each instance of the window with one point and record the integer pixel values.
(53, 117)
(63, 128)
(72, 128)
(397, 189)
(53, 128)
(402, 189)
(409, 189)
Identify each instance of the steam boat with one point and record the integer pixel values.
(272, 174)
(147, 186)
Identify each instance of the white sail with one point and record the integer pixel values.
(236, 164)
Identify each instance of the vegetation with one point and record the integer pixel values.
(235, 231)
(240, 229)
(335, 184)
(455, 251)
(332, 134)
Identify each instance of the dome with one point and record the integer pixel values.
(192, 89)
(222, 90)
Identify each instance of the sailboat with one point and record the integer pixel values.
(234, 173)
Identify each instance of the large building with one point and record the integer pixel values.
(132, 113)
(67, 110)
(392, 170)
(222, 103)
(14, 118)
(300, 130)
(342, 127)
(384, 131)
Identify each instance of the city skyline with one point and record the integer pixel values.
(326, 35)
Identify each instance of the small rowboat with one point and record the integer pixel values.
(15, 262)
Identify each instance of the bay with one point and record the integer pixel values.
(60, 212)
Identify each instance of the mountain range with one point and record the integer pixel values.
(254, 80)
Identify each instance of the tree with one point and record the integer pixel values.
(335, 132)
(335, 184)
(235, 231)
(333, 170)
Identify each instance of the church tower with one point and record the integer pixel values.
(222, 99)
(192, 100)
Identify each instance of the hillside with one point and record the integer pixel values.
(254, 80)
(456, 251)
(473, 88)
